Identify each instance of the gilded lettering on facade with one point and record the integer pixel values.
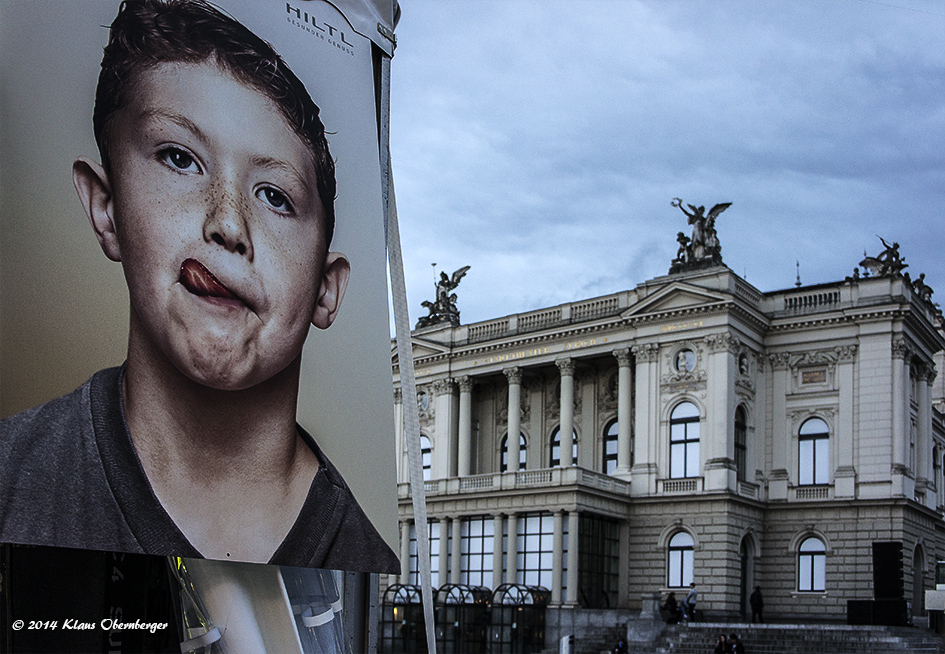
(533, 352)
(692, 324)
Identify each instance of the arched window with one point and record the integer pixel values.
(741, 444)
(679, 561)
(812, 565)
(426, 456)
(813, 456)
(556, 448)
(504, 465)
(610, 447)
(684, 441)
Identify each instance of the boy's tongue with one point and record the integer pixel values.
(198, 280)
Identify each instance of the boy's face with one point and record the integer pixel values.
(218, 225)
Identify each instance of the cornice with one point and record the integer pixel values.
(660, 316)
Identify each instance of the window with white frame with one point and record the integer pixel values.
(812, 565)
(679, 557)
(426, 456)
(476, 551)
(610, 447)
(523, 447)
(434, 534)
(556, 448)
(684, 441)
(913, 433)
(813, 453)
(535, 549)
(741, 444)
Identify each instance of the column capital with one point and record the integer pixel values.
(901, 349)
(623, 356)
(930, 374)
(724, 342)
(779, 360)
(443, 386)
(398, 395)
(566, 366)
(846, 353)
(466, 384)
(514, 374)
(646, 351)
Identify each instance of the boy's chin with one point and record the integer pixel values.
(219, 375)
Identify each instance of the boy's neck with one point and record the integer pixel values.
(228, 466)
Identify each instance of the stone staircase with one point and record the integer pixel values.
(595, 640)
(700, 638)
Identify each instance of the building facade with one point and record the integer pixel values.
(691, 429)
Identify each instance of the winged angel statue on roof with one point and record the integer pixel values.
(703, 248)
(443, 309)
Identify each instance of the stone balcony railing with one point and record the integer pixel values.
(680, 486)
(573, 312)
(530, 479)
(803, 493)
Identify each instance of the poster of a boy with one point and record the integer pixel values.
(216, 194)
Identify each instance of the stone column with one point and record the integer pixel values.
(444, 450)
(511, 564)
(566, 429)
(573, 557)
(444, 549)
(923, 446)
(464, 450)
(405, 552)
(845, 475)
(624, 380)
(647, 427)
(403, 470)
(717, 443)
(514, 375)
(623, 583)
(781, 438)
(557, 558)
(496, 550)
(456, 566)
(900, 416)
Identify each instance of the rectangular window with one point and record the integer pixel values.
(600, 561)
(476, 551)
(434, 533)
(813, 572)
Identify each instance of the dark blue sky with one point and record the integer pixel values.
(541, 142)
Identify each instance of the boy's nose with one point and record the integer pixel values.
(226, 223)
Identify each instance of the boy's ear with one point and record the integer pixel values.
(332, 291)
(95, 193)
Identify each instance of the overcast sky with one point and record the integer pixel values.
(541, 142)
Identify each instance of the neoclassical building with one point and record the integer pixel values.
(696, 429)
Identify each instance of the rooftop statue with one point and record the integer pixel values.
(703, 249)
(443, 309)
(888, 263)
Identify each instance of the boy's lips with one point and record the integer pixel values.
(198, 280)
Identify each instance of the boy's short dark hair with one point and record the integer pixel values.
(147, 33)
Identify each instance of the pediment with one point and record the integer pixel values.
(674, 297)
(422, 349)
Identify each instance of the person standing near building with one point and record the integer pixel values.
(735, 644)
(757, 603)
(689, 604)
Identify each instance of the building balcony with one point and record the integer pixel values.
(543, 479)
(806, 493)
(684, 486)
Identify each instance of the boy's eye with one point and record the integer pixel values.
(275, 199)
(179, 160)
